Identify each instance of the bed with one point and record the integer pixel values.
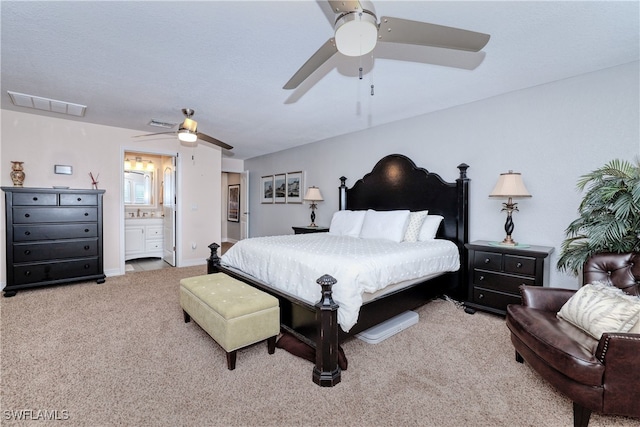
(395, 183)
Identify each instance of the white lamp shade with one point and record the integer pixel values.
(313, 195)
(510, 185)
(188, 138)
(356, 34)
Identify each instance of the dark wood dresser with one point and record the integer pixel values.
(54, 236)
(496, 273)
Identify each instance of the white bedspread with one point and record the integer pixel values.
(293, 263)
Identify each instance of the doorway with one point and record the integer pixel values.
(150, 206)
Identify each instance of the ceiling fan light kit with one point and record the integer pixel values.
(356, 33)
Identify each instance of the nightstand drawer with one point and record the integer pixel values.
(493, 299)
(520, 265)
(487, 260)
(501, 282)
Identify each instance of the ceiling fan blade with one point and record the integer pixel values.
(213, 141)
(340, 6)
(396, 30)
(153, 134)
(321, 56)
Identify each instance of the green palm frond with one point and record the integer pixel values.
(609, 214)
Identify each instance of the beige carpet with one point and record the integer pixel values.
(120, 354)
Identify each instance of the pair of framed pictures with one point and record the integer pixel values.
(281, 188)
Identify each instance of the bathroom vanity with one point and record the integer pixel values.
(143, 238)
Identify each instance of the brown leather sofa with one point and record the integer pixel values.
(597, 375)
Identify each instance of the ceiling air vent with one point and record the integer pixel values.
(159, 124)
(46, 104)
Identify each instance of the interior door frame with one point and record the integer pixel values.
(151, 151)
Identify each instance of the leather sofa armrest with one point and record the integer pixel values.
(546, 299)
(620, 355)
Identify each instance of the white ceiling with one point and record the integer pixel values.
(131, 62)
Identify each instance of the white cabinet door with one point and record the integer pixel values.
(134, 241)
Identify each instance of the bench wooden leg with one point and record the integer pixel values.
(519, 358)
(231, 359)
(187, 318)
(271, 344)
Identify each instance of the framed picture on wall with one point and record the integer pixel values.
(233, 203)
(266, 189)
(294, 187)
(280, 188)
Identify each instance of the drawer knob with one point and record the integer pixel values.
(86, 230)
(481, 278)
(86, 266)
(487, 260)
(27, 273)
(519, 265)
(79, 199)
(27, 252)
(27, 215)
(27, 233)
(86, 214)
(480, 296)
(35, 199)
(86, 248)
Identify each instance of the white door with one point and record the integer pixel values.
(244, 205)
(169, 211)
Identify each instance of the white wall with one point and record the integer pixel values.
(552, 134)
(42, 142)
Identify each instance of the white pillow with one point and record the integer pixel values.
(389, 225)
(346, 223)
(415, 224)
(430, 227)
(597, 308)
(635, 329)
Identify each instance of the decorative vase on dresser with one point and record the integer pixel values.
(17, 173)
(54, 237)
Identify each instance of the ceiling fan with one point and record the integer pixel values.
(188, 132)
(357, 31)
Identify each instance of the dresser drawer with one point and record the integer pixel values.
(520, 265)
(493, 299)
(30, 233)
(501, 282)
(29, 252)
(52, 271)
(78, 199)
(35, 199)
(487, 260)
(39, 215)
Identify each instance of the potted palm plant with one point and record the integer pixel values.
(609, 218)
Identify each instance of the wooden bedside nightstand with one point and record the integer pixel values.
(496, 273)
(307, 229)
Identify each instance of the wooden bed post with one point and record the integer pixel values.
(462, 184)
(213, 262)
(342, 201)
(326, 373)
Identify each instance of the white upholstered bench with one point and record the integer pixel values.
(233, 313)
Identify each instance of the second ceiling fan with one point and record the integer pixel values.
(188, 132)
(357, 32)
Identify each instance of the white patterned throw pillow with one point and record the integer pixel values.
(415, 224)
(597, 308)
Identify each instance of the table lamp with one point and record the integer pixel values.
(509, 185)
(313, 195)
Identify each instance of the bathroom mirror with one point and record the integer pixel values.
(138, 188)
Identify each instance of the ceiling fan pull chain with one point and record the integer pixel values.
(360, 73)
(371, 90)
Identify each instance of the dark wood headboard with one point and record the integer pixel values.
(395, 182)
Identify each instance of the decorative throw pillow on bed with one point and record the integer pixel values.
(430, 227)
(347, 223)
(598, 307)
(415, 224)
(389, 225)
